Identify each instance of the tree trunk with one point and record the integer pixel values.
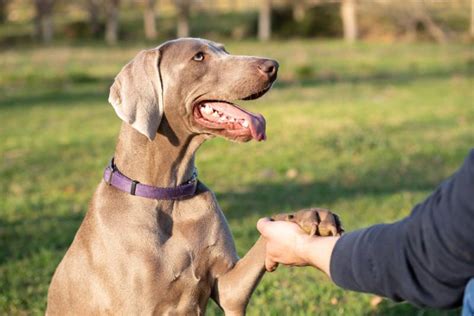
(112, 25)
(149, 20)
(265, 20)
(184, 9)
(299, 10)
(44, 20)
(93, 8)
(3, 11)
(183, 26)
(472, 19)
(422, 14)
(349, 20)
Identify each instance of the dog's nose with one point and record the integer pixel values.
(269, 67)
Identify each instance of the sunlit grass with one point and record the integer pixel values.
(369, 133)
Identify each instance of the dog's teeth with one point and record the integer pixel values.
(207, 109)
(215, 114)
(245, 124)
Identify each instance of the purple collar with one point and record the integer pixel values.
(115, 178)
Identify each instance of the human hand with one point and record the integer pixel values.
(288, 244)
(285, 243)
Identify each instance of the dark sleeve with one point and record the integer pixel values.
(426, 258)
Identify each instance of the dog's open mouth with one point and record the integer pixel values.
(230, 119)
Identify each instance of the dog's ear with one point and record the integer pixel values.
(137, 93)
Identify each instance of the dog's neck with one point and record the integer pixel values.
(167, 161)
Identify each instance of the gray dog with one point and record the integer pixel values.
(160, 244)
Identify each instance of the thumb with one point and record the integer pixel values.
(270, 265)
(263, 225)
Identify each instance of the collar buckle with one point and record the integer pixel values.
(113, 168)
(194, 177)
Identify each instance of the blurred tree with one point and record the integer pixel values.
(149, 19)
(3, 11)
(184, 9)
(349, 20)
(44, 20)
(422, 16)
(299, 10)
(265, 20)
(472, 19)
(112, 23)
(94, 8)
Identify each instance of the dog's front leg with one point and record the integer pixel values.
(232, 290)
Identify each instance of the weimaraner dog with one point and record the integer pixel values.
(160, 244)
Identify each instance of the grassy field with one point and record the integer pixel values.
(367, 130)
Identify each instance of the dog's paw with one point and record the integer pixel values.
(314, 221)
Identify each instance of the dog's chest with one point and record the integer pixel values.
(196, 252)
(188, 263)
(193, 248)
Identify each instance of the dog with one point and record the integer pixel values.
(154, 240)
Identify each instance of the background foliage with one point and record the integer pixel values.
(22, 21)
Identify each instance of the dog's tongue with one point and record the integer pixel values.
(257, 126)
(256, 122)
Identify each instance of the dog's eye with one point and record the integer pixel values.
(199, 56)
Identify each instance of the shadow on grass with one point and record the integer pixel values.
(56, 97)
(378, 77)
(377, 182)
(59, 89)
(76, 87)
(272, 198)
(21, 239)
(389, 308)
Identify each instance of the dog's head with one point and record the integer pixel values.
(192, 84)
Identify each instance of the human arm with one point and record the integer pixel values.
(426, 258)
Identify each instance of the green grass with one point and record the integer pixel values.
(370, 130)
